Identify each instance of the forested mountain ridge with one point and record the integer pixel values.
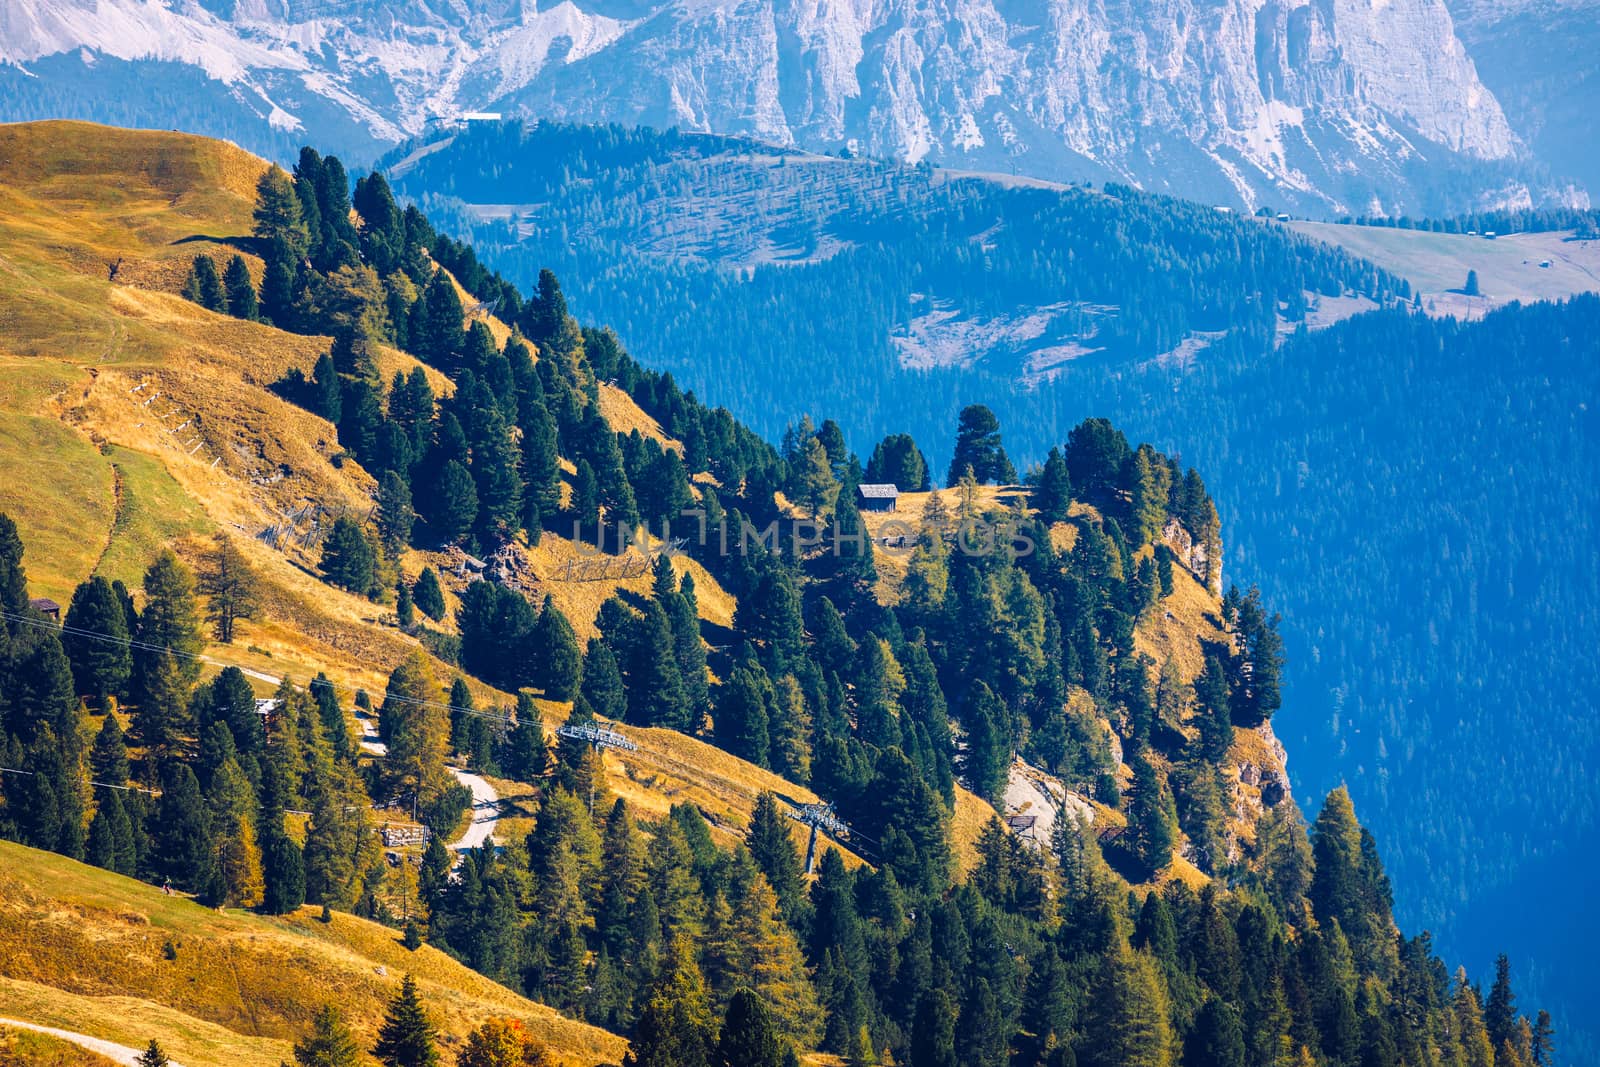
(1376, 542)
(1180, 910)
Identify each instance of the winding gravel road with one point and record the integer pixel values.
(122, 1054)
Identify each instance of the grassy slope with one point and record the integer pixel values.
(98, 474)
(24, 1048)
(1436, 263)
(82, 949)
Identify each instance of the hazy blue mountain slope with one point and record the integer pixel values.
(1420, 489)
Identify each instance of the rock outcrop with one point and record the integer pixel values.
(1333, 105)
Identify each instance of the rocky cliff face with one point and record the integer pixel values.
(1330, 105)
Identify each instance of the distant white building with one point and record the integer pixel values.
(480, 116)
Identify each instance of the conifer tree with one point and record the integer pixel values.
(230, 587)
(204, 287)
(327, 389)
(428, 594)
(330, 1043)
(558, 667)
(417, 731)
(978, 448)
(278, 215)
(1152, 815)
(13, 578)
(1127, 1023)
(241, 291)
(1500, 1011)
(602, 687)
(675, 1029)
(405, 609)
(653, 683)
(101, 849)
(348, 559)
(283, 869)
(933, 1038)
(455, 504)
(237, 870)
(1217, 1038)
(95, 637)
(152, 1056)
(741, 717)
(988, 756)
(395, 515)
(527, 756)
(748, 1038)
(182, 848)
(164, 663)
(773, 849)
(1053, 495)
(407, 1037)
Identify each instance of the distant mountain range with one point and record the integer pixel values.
(1339, 106)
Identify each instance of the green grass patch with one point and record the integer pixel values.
(152, 511)
(58, 490)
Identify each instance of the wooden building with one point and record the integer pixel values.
(877, 496)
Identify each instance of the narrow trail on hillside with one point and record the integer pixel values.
(128, 1057)
(486, 806)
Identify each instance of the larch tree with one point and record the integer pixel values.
(416, 728)
(230, 587)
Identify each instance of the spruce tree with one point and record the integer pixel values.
(407, 1037)
(741, 716)
(428, 594)
(108, 758)
(165, 666)
(348, 559)
(1500, 1010)
(653, 683)
(95, 637)
(1152, 815)
(395, 516)
(1053, 495)
(204, 287)
(602, 687)
(978, 447)
(558, 667)
(527, 756)
(13, 578)
(405, 610)
(181, 849)
(1217, 1038)
(240, 290)
(988, 755)
(330, 1043)
(773, 849)
(455, 504)
(748, 1037)
(152, 1056)
(283, 870)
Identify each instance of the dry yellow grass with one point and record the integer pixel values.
(25, 1048)
(84, 949)
(1180, 624)
(625, 416)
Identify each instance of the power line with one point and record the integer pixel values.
(105, 785)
